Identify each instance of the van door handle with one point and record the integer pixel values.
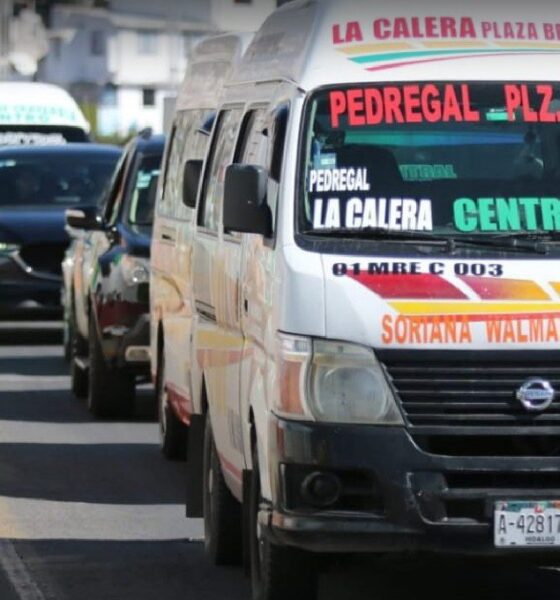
(167, 237)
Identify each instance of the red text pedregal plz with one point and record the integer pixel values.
(450, 28)
(430, 103)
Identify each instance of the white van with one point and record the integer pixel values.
(171, 301)
(374, 347)
(39, 114)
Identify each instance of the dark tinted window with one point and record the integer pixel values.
(143, 193)
(55, 179)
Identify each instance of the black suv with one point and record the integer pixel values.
(37, 184)
(110, 346)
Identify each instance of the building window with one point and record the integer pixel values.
(109, 95)
(148, 97)
(147, 42)
(243, 1)
(97, 43)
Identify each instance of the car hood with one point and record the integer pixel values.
(32, 224)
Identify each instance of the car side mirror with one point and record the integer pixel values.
(245, 207)
(83, 218)
(191, 177)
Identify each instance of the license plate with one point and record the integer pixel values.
(525, 523)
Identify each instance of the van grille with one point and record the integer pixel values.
(472, 390)
(464, 495)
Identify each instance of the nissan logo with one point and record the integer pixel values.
(536, 395)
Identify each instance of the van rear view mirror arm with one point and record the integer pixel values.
(191, 177)
(245, 206)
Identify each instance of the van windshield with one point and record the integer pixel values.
(439, 159)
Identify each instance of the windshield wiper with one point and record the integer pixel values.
(451, 243)
(378, 233)
(537, 234)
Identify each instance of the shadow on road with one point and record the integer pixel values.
(112, 473)
(33, 365)
(178, 569)
(21, 333)
(437, 578)
(171, 570)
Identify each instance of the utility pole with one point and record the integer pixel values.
(6, 14)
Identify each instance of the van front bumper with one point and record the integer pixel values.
(394, 496)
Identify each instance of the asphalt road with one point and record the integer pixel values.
(91, 511)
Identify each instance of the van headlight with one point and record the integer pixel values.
(347, 385)
(334, 382)
(135, 270)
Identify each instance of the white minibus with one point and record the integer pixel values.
(171, 302)
(39, 114)
(373, 290)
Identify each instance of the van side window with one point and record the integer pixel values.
(165, 161)
(277, 133)
(196, 143)
(279, 127)
(169, 203)
(253, 145)
(221, 155)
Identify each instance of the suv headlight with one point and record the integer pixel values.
(135, 270)
(6, 248)
(334, 382)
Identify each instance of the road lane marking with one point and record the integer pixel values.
(37, 519)
(13, 382)
(18, 574)
(36, 432)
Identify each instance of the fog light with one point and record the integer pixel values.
(321, 489)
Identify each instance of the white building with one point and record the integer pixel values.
(126, 62)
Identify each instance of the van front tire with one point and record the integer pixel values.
(172, 433)
(277, 572)
(222, 512)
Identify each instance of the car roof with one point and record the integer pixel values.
(38, 103)
(73, 148)
(153, 143)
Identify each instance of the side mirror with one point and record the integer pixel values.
(83, 218)
(245, 207)
(191, 177)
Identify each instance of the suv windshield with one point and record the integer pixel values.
(54, 178)
(144, 191)
(442, 159)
